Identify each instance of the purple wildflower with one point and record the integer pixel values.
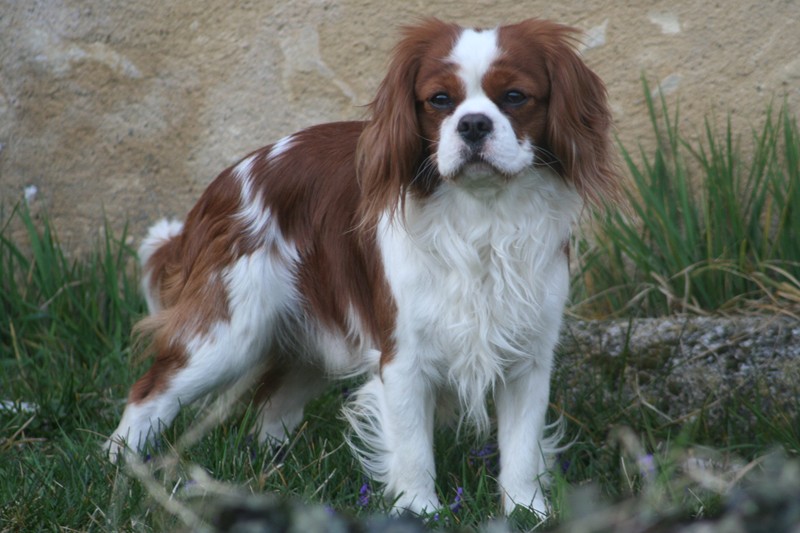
(647, 466)
(363, 495)
(486, 457)
(456, 505)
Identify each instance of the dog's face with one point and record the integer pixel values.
(483, 111)
(483, 107)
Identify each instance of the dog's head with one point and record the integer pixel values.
(483, 107)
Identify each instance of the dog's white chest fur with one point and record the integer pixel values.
(478, 274)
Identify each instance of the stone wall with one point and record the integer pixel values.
(126, 110)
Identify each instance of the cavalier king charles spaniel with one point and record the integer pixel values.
(425, 249)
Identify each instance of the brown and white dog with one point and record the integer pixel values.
(425, 248)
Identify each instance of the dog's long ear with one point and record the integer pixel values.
(391, 150)
(578, 116)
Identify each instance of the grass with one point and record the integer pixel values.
(65, 369)
(714, 226)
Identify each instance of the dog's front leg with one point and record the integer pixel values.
(521, 403)
(392, 419)
(409, 438)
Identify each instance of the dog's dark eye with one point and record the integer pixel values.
(441, 101)
(514, 98)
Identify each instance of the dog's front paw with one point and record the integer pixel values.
(418, 505)
(114, 448)
(536, 504)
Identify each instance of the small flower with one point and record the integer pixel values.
(363, 495)
(456, 505)
(486, 457)
(647, 466)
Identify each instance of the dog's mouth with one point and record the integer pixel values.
(474, 162)
(480, 176)
(477, 164)
(478, 168)
(476, 158)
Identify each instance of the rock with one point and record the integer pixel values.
(765, 501)
(682, 364)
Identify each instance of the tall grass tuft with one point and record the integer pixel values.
(64, 323)
(714, 226)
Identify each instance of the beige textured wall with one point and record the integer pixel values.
(127, 109)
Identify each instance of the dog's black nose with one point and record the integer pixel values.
(474, 127)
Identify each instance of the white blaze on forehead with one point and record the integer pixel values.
(474, 53)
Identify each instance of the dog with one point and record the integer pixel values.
(425, 248)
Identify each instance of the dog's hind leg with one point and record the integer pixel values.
(205, 343)
(282, 395)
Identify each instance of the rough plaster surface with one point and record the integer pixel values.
(680, 366)
(126, 110)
